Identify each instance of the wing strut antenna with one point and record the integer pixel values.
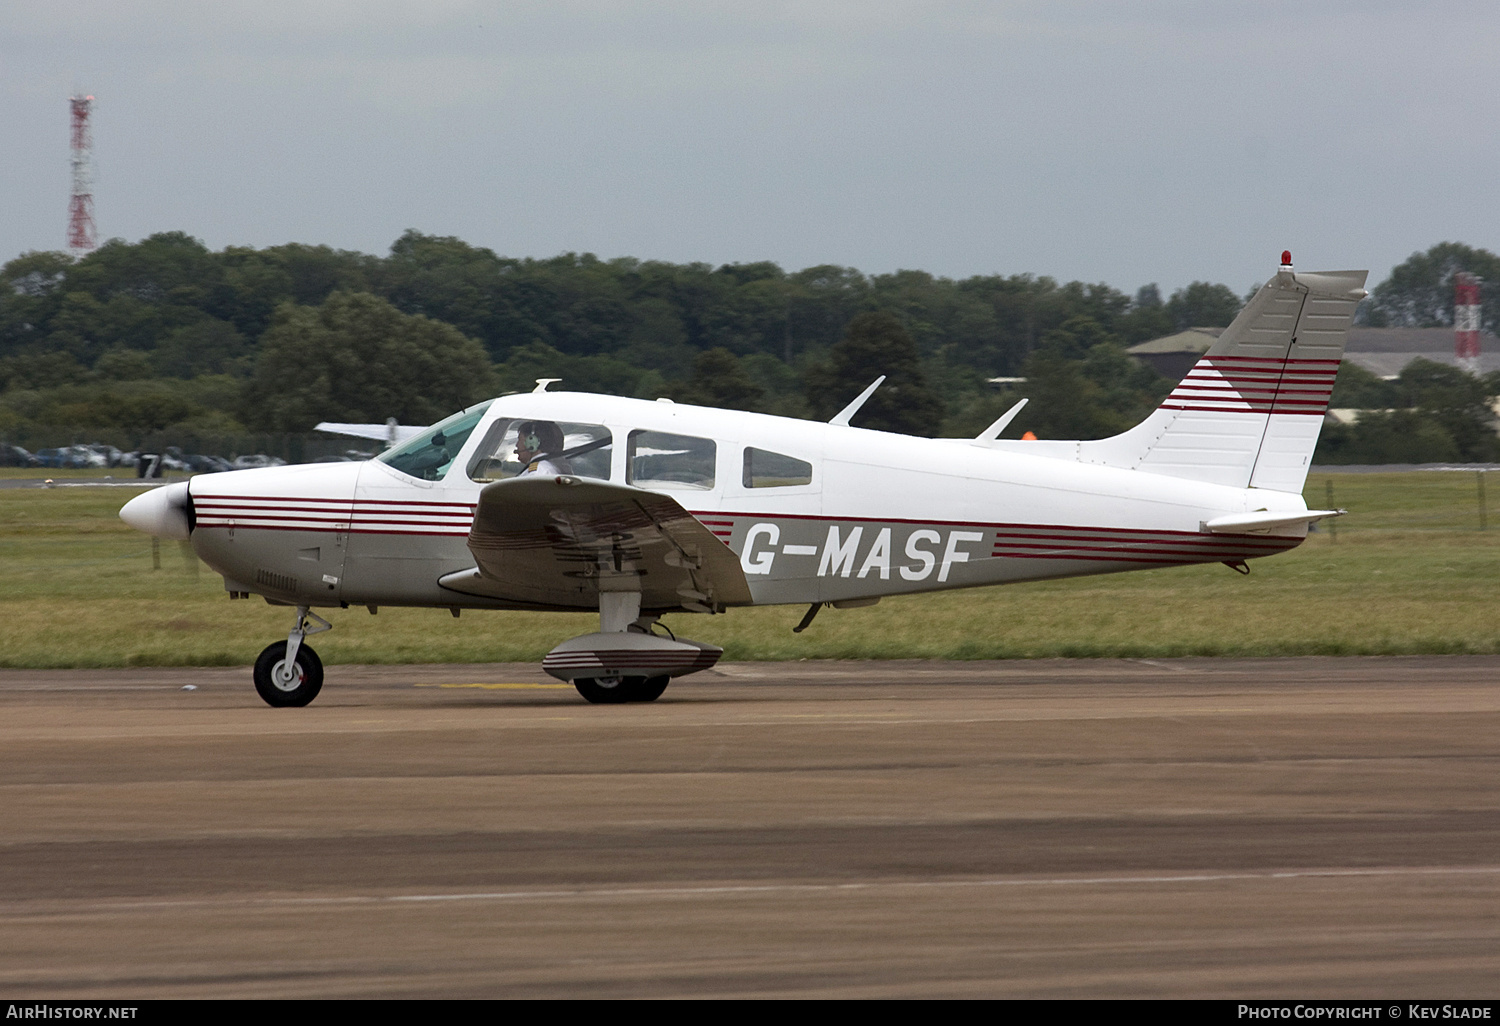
(992, 432)
(841, 418)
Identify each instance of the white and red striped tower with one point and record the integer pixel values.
(1466, 320)
(82, 238)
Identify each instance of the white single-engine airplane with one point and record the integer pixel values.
(569, 501)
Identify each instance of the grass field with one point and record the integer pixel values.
(1408, 571)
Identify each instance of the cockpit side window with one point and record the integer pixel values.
(429, 455)
(765, 469)
(656, 459)
(562, 447)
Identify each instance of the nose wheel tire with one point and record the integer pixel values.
(617, 690)
(283, 686)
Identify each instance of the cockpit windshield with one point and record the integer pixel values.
(428, 455)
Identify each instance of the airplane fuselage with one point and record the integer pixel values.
(844, 514)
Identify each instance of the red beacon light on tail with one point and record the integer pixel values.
(1286, 258)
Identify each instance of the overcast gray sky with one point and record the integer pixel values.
(1125, 142)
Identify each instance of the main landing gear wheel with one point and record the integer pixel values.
(649, 689)
(283, 686)
(617, 690)
(603, 690)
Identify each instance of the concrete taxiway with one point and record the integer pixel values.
(1206, 828)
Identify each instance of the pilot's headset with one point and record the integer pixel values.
(541, 436)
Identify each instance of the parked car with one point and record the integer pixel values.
(94, 455)
(15, 456)
(73, 456)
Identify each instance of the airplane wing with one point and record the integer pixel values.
(375, 432)
(559, 541)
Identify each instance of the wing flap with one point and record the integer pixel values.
(560, 541)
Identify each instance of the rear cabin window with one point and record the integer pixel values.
(765, 469)
(660, 460)
(581, 450)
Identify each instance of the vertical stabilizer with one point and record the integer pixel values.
(1249, 412)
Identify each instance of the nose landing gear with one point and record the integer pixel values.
(289, 673)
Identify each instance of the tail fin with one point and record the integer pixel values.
(1249, 412)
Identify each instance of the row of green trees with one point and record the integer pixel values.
(166, 336)
(143, 336)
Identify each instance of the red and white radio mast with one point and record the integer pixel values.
(82, 237)
(1466, 320)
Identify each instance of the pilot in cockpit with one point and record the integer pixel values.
(541, 438)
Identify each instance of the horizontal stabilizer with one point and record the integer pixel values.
(1240, 523)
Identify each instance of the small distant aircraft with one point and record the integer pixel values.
(569, 501)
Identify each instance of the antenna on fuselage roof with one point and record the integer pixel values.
(841, 418)
(992, 432)
(542, 383)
